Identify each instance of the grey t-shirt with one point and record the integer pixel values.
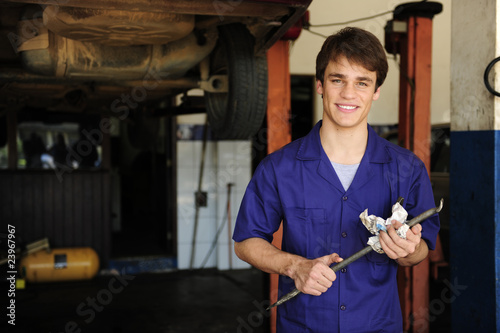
(346, 173)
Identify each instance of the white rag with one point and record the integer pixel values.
(374, 224)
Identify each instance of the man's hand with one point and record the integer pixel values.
(312, 277)
(407, 252)
(315, 276)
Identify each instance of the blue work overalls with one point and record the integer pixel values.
(298, 185)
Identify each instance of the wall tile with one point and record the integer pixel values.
(186, 179)
(210, 153)
(225, 162)
(201, 250)
(205, 233)
(185, 154)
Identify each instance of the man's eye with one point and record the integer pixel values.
(362, 84)
(337, 81)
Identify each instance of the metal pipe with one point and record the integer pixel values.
(361, 253)
(229, 227)
(13, 77)
(197, 194)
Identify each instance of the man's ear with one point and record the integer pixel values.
(376, 95)
(319, 87)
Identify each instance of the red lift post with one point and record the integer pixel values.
(410, 35)
(279, 131)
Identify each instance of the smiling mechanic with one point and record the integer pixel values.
(318, 186)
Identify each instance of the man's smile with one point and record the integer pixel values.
(346, 107)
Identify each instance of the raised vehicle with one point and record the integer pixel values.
(132, 57)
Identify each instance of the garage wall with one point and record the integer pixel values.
(72, 211)
(225, 162)
(385, 110)
(475, 168)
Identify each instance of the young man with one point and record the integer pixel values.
(318, 186)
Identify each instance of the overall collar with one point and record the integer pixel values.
(311, 149)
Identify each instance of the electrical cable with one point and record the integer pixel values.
(214, 242)
(315, 33)
(348, 22)
(486, 75)
(226, 218)
(351, 21)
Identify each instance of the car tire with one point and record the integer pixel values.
(239, 113)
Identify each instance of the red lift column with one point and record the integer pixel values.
(410, 35)
(279, 131)
(279, 128)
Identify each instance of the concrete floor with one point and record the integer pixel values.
(204, 301)
(182, 302)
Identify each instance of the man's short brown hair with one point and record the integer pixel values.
(359, 47)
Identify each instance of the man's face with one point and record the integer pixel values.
(348, 92)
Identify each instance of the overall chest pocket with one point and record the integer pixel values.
(304, 229)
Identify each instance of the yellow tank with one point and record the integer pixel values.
(60, 265)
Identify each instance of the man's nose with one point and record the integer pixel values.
(348, 91)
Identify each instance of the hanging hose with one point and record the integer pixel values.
(226, 218)
(486, 74)
(198, 193)
(214, 243)
(229, 227)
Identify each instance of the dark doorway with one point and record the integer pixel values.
(146, 176)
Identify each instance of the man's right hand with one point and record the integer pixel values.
(315, 276)
(312, 277)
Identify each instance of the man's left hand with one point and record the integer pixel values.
(396, 247)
